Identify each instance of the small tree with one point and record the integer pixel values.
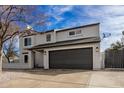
(116, 46)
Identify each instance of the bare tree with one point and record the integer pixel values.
(11, 17)
(10, 49)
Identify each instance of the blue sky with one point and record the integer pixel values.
(111, 19)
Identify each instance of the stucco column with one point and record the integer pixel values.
(96, 57)
(32, 55)
(46, 59)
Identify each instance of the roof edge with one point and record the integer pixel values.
(93, 40)
(87, 25)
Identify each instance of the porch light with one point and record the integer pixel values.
(97, 49)
(44, 52)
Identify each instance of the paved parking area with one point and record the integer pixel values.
(60, 78)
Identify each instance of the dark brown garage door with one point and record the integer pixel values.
(71, 59)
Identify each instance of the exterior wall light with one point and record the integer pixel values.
(97, 49)
(44, 52)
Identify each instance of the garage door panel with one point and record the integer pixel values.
(72, 58)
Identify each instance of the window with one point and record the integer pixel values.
(71, 33)
(27, 41)
(78, 32)
(48, 37)
(74, 33)
(26, 58)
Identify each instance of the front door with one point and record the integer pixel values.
(38, 59)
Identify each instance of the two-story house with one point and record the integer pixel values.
(71, 48)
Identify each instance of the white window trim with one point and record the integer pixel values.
(79, 33)
(24, 42)
(50, 37)
(70, 32)
(24, 58)
(75, 34)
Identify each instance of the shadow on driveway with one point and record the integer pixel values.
(47, 72)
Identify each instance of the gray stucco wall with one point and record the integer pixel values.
(90, 31)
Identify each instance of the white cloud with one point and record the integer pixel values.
(104, 11)
(57, 11)
(113, 10)
(61, 9)
(66, 8)
(111, 19)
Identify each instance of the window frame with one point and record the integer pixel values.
(78, 33)
(71, 33)
(75, 33)
(26, 60)
(48, 37)
(27, 41)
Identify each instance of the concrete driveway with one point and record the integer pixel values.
(60, 78)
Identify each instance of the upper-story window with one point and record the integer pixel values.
(73, 33)
(27, 41)
(48, 37)
(78, 32)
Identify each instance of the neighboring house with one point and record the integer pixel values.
(72, 48)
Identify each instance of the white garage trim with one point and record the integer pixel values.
(96, 53)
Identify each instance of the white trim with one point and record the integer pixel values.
(54, 36)
(75, 35)
(46, 60)
(96, 55)
(24, 58)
